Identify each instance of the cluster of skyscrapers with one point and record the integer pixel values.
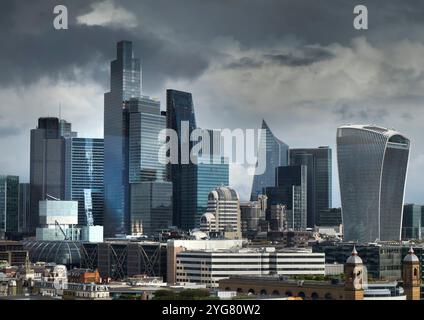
(129, 189)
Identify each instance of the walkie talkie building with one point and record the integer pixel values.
(373, 164)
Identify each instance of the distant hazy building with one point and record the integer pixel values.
(276, 153)
(9, 204)
(251, 213)
(373, 163)
(319, 170)
(84, 170)
(24, 207)
(222, 217)
(412, 222)
(125, 83)
(291, 191)
(329, 217)
(47, 164)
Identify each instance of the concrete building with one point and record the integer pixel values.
(174, 247)
(251, 213)
(222, 217)
(57, 220)
(210, 266)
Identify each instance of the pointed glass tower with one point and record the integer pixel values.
(276, 153)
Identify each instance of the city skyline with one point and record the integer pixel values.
(328, 78)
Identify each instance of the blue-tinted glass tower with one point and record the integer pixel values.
(84, 170)
(151, 195)
(125, 83)
(276, 152)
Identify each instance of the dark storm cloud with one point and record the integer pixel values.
(245, 63)
(34, 49)
(306, 57)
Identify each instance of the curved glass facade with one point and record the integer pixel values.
(60, 252)
(372, 175)
(277, 153)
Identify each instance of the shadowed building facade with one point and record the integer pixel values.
(373, 163)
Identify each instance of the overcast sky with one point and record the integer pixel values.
(298, 64)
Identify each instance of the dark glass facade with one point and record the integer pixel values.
(125, 84)
(412, 222)
(372, 164)
(180, 108)
(290, 191)
(319, 166)
(276, 154)
(9, 204)
(151, 207)
(84, 170)
(47, 165)
(24, 207)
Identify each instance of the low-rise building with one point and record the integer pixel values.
(210, 266)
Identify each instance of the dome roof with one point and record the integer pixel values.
(354, 258)
(411, 257)
(59, 252)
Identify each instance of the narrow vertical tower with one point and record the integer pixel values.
(411, 276)
(354, 271)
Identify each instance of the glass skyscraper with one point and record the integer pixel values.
(319, 167)
(9, 204)
(290, 191)
(412, 222)
(84, 170)
(151, 196)
(373, 163)
(145, 124)
(179, 109)
(125, 83)
(47, 164)
(276, 153)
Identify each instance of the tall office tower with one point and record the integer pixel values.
(47, 165)
(9, 204)
(412, 222)
(319, 166)
(24, 207)
(145, 125)
(84, 171)
(373, 163)
(151, 195)
(222, 217)
(276, 153)
(181, 118)
(290, 191)
(125, 83)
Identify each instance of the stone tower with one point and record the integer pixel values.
(354, 283)
(411, 276)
